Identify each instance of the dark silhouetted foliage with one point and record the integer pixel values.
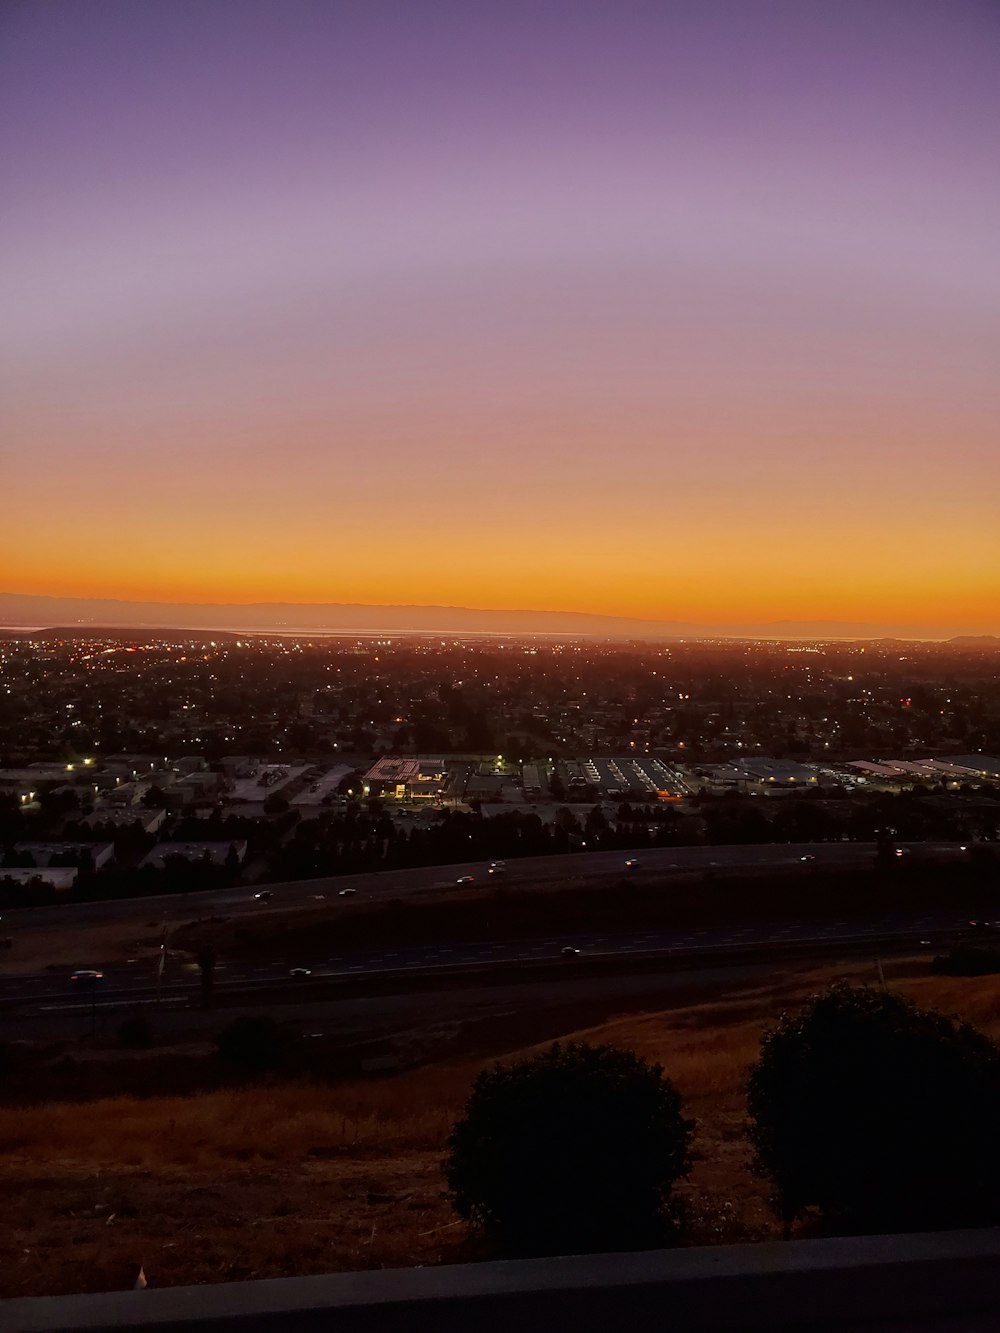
(136, 1033)
(254, 1045)
(881, 1115)
(967, 961)
(570, 1152)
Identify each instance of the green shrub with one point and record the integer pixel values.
(136, 1033)
(254, 1045)
(881, 1115)
(573, 1151)
(967, 961)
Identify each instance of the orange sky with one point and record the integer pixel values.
(692, 537)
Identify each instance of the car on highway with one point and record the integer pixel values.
(807, 858)
(497, 868)
(466, 879)
(345, 893)
(569, 951)
(632, 863)
(87, 976)
(984, 925)
(300, 973)
(263, 897)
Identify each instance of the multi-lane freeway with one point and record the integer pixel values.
(124, 985)
(131, 981)
(577, 868)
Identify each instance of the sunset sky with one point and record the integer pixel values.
(679, 309)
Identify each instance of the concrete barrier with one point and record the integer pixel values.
(941, 1282)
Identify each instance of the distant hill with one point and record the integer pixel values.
(332, 618)
(70, 615)
(127, 634)
(976, 640)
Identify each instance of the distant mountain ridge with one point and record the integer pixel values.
(22, 610)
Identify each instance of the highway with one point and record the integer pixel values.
(577, 868)
(125, 985)
(42, 985)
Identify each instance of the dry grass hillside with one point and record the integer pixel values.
(291, 1179)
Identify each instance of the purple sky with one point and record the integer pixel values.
(297, 271)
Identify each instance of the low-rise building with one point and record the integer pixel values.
(56, 877)
(150, 821)
(216, 852)
(47, 853)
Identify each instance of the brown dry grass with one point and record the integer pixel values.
(288, 1179)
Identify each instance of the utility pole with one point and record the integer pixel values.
(162, 960)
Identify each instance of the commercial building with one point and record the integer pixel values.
(136, 816)
(45, 853)
(216, 852)
(56, 877)
(634, 777)
(406, 779)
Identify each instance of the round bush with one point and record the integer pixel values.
(254, 1045)
(572, 1151)
(880, 1114)
(136, 1033)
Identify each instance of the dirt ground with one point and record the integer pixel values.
(283, 1179)
(58, 948)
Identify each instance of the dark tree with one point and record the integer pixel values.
(254, 1045)
(207, 963)
(136, 1033)
(573, 1151)
(565, 819)
(880, 1114)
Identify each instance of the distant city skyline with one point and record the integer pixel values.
(681, 312)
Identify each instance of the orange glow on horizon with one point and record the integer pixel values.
(714, 595)
(706, 533)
